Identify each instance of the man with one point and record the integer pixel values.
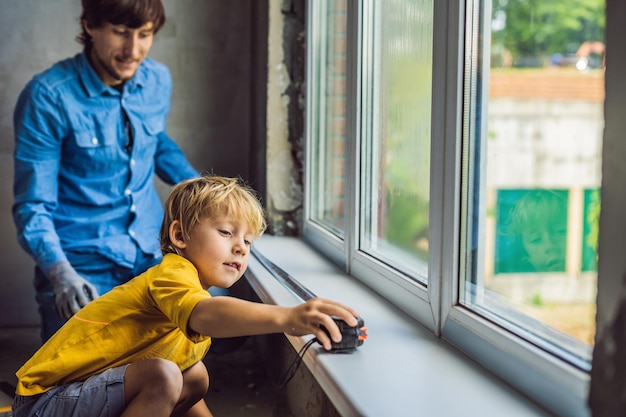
(90, 135)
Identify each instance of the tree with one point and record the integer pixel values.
(532, 30)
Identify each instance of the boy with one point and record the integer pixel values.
(138, 349)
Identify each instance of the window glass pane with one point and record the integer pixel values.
(397, 160)
(329, 124)
(533, 124)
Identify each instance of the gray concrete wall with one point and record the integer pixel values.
(212, 51)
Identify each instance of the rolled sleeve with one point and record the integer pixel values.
(171, 164)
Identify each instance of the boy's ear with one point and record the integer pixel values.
(176, 235)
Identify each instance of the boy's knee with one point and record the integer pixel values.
(158, 375)
(196, 379)
(152, 382)
(164, 372)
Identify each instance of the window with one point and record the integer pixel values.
(328, 175)
(533, 125)
(395, 149)
(389, 229)
(453, 165)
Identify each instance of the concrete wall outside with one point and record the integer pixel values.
(212, 53)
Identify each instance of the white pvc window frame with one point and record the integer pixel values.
(556, 384)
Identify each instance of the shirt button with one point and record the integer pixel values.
(132, 233)
(133, 208)
(94, 141)
(132, 162)
(127, 192)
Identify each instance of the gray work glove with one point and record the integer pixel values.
(71, 291)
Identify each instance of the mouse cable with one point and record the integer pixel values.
(291, 370)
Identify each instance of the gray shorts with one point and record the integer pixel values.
(101, 395)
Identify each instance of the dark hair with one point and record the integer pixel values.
(131, 13)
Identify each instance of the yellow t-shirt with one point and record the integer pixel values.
(145, 318)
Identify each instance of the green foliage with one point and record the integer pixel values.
(539, 28)
(593, 218)
(590, 230)
(406, 222)
(404, 119)
(406, 131)
(536, 300)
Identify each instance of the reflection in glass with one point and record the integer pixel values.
(398, 157)
(533, 126)
(328, 122)
(531, 231)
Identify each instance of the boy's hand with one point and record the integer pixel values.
(307, 318)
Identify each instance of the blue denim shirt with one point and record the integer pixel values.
(77, 190)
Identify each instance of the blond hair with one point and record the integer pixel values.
(206, 197)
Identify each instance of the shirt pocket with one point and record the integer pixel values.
(91, 139)
(147, 138)
(94, 152)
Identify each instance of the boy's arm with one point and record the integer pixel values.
(231, 317)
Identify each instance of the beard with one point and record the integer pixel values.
(109, 70)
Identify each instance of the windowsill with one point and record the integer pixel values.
(402, 368)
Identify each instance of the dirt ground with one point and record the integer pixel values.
(576, 320)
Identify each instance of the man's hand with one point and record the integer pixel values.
(71, 291)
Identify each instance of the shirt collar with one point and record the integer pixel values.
(140, 77)
(94, 85)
